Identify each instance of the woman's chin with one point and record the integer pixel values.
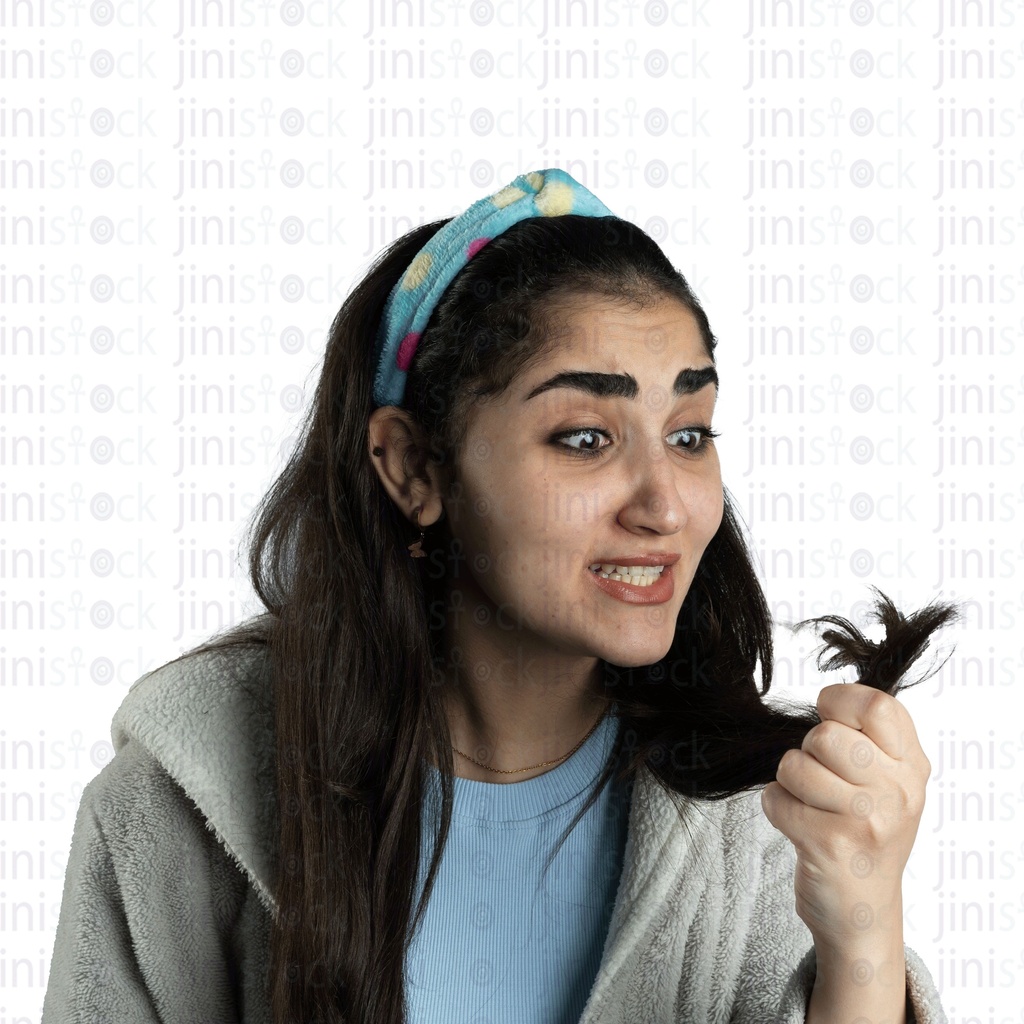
(634, 656)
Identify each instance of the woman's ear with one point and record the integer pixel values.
(400, 453)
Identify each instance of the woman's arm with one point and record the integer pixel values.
(93, 973)
(868, 982)
(149, 923)
(850, 800)
(778, 985)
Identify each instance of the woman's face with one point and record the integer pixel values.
(633, 475)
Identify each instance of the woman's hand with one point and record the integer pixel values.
(850, 800)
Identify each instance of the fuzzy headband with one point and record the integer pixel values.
(547, 193)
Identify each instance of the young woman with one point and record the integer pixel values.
(525, 775)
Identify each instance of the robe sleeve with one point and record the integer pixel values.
(779, 969)
(94, 975)
(143, 933)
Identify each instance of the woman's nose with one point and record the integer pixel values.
(656, 497)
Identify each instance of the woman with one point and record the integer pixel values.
(502, 780)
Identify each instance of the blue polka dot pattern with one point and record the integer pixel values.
(547, 193)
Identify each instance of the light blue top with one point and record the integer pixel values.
(499, 943)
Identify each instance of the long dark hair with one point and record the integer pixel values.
(352, 625)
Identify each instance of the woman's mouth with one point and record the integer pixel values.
(646, 584)
(637, 575)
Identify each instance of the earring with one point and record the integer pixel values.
(416, 548)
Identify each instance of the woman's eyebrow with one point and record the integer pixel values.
(624, 385)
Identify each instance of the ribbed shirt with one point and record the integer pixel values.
(503, 942)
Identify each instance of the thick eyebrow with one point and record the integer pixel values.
(624, 385)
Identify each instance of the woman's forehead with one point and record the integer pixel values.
(602, 328)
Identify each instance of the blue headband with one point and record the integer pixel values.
(547, 193)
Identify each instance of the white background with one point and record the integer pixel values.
(657, 108)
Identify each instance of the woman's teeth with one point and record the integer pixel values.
(638, 575)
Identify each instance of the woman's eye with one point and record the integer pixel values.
(590, 443)
(695, 440)
(691, 439)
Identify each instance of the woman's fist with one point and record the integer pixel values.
(850, 800)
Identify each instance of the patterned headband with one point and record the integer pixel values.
(547, 193)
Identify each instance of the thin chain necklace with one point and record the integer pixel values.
(543, 764)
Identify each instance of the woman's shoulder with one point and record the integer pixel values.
(143, 819)
(176, 698)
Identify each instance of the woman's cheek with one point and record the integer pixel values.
(715, 503)
(719, 512)
(505, 566)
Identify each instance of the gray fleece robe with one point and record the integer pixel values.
(168, 897)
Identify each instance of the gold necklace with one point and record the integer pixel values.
(543, 764)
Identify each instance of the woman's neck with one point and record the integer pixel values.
(516, 726)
